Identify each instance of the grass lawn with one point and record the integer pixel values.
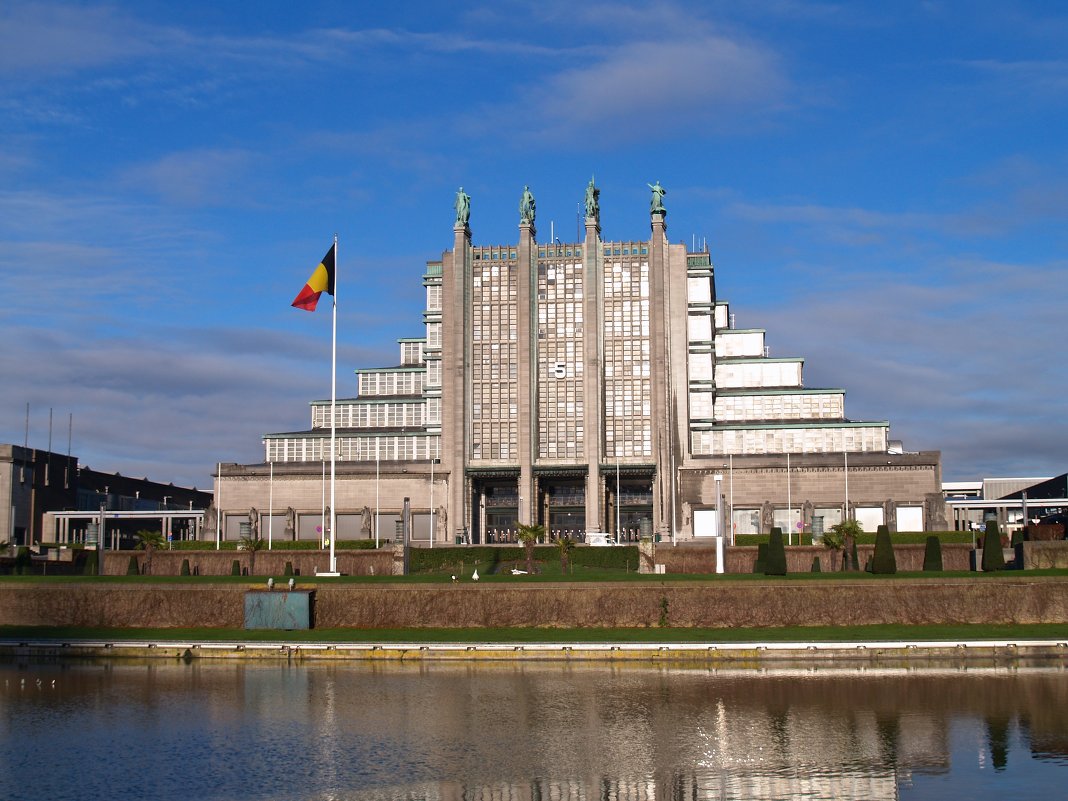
(550, 573)
(564, 635)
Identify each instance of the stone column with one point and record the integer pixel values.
(664, 482)
(592, 381)
(455, 355)
(527, 387)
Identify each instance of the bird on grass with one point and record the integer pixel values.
(474, 576)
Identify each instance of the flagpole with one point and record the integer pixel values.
(333, 417)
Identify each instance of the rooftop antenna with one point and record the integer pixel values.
(48, 459)
(66, 467)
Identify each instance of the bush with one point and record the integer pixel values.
(90, 567)
(761, 559)
(235, 567)
(23, 561)
(131, 567)
(289, 569)
(816, 565)
(854, 561)
(993, 558)
(185, 568)
(883, 561)
(776, 561)
(932, 555)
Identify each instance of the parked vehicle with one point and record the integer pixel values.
(600, 539)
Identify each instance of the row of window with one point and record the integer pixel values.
(370, 415)
(788, 440)
(728, 408)
(354, 449)
(391, 383)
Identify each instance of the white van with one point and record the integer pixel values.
(600, 538)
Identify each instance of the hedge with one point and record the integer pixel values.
(430, 560)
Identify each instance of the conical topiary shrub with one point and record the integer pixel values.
(131, 567)
(762, 557)
(816, 568)
(185, 568)
(776, 561)
(932, 555)
(993, 558)
(235, 568)
(883, 561)
(854, 561)
(289, 569)
(90, 568)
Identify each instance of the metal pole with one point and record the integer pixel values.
(333, 418)
(789, 505)
(845, 512)
(218, 509)
(619, 522)
(431, 495)
(270, 507)
(377, 495)
(730, 461)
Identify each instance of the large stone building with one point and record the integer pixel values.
(597, 385)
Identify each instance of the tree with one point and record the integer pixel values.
(883, 561)
(776, 560)
(842, 537)
(148, 541)
(252, 543)
(528, 535)
(565, 545)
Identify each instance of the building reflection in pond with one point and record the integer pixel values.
(463, 732)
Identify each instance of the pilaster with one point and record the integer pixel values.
(664, 482)
(455, 389)
(527, 336)
(593, 375)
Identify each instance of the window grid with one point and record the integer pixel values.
(560, 360)
(627, 383)
(494, 358)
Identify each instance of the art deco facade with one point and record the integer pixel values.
(597, 385)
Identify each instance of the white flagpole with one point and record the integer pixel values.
(270, 507)
(333, 419)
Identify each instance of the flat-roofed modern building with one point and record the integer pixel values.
(596, 385)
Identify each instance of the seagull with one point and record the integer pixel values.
(454, 578)
(474, 576)
(292, 583)
(270, 584)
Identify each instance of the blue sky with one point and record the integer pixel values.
(882, 186)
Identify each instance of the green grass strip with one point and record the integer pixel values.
(667, 634)
(578, 576)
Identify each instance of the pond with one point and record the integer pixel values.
(348, 731)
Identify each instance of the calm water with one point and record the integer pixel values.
(528, 732)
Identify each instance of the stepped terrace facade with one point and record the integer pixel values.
(591, 386)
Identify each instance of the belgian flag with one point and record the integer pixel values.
(322, 280)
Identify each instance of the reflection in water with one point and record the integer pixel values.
(527, 732)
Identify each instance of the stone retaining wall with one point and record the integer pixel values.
(991, 600)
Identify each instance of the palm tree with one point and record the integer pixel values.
(528, 535)
(252, 544)
(148, 541)
(840, 537)
(565, 545)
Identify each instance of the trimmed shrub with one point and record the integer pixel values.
(289, 569)
(90, 566)
(235, 567)
(131, 567)
(883, 561)
(854, 561)
(1018, 536)
(867, 565)
(776, 561)
(993, 558)
(23, 561)
(761, 558)
(932, 555)
(816, 565)
(185, 568)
